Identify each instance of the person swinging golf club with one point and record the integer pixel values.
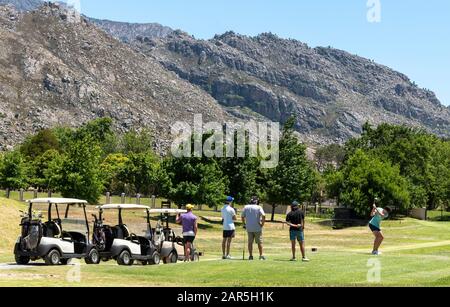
(254, 218)
(190, 228)
(377, 214)
(229, 229)
(296, 220)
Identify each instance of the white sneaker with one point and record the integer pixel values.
(305, 260)
(376, 253)
(229, 257)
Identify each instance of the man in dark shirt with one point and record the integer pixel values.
(296, 220)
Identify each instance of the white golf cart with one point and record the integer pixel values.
(63, 236)
(125, 243)
(170, 241)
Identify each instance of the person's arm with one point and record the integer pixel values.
(374, 211)
(178, 221)
(195, 227)
(263, 217)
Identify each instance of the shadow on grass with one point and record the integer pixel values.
(445, 218)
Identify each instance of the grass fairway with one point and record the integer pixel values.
(416, 253)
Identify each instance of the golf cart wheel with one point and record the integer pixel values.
(172, 258)
(22, 260)
(125, 258)
(156, 259)
(53, 257)
(93, 257)
(195, 257)
(66, 261)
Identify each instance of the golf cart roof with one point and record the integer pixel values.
(65, 201)
(167, 211)
(123, 206)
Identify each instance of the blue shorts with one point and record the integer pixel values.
(374, 228)
(297, 235)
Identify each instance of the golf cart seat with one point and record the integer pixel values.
(121, 232)
(51, 229)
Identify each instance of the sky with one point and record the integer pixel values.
(411, 36)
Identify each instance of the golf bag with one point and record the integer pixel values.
(31, 234)
(99, 236)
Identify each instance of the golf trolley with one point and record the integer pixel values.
(171, 245)
(121, 244)
(60, 238)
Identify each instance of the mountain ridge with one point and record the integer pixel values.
(331, 92)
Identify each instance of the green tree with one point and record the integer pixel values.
(13, 171)
(111, 168)
(330, 155)
(79, 173)
(196, 180)
(417, 154)
(136, 142)
(293, 178)
(101, 131)
(41, 170)
(365, 177)
(143, 173)
(39, 143)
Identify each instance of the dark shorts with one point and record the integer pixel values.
(228, 234)
(374, 228)
(188, 239)
(297, 235)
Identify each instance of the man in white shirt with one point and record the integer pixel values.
(229, 229)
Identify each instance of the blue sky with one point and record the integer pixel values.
(412, 37)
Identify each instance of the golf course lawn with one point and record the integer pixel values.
(415, 253)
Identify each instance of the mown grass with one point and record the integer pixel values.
(416, 253)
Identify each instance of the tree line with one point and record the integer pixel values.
(403, 167)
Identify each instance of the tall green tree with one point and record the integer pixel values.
(13, 171)
(39, 143)
(42, 170)
(79, 173)
(136, 142)
(143, 173)
(293, 178)
(365, 177)
(111, 168)
(196, 180)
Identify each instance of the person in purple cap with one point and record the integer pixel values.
(229, 229)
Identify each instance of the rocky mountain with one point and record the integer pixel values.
(124, 31)
(331, 92)
(57, 69)
(130, 32)
(22, 5)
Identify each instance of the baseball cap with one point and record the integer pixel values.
(295, 204)
(190, 207)
(230, 199)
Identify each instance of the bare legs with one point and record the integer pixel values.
(260, 248)
(187, 252)
(379, 238)
(294, 248)
(226, 246)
